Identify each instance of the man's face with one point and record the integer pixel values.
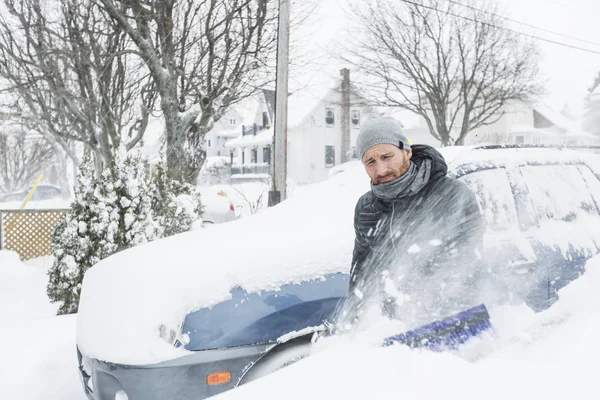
(386, 162)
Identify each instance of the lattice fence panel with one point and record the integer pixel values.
(29, 232)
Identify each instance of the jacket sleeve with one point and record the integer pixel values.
(360, 253)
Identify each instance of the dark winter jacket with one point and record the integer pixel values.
(427, 244)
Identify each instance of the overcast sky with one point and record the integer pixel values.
(568, 72)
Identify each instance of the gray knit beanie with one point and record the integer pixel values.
(378, 131)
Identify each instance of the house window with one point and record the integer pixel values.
(265, 119)
(253, 156)
(232, 121)
(243, 156)
(267, 155)
(209, 143)
(355, 119)
(519, 139)
(329, 156)
(329, 117)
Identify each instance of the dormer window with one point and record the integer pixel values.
(329, 117)
(355, 119)
(232, 121)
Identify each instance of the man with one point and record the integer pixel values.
(418, 231)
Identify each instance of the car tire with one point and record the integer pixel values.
(278, 358)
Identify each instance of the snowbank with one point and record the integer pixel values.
(548, 355)
(127, 297)
(38, 349)
(23, 288)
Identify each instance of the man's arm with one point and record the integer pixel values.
(360, 253)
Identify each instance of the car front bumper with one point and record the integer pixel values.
(182, 379)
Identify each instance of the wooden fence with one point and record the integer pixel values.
(29, 232)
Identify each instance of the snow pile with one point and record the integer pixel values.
(547, 355)
(36, 346)
(126, 297)
(20, 280)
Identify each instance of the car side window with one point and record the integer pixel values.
(558, 192)
(494, 195)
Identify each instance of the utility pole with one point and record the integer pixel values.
(345, 117)
(278, 192)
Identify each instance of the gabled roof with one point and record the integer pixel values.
(302, 102)
(556, 118)
(263, 137)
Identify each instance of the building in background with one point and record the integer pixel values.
(533, 124)
(254, 113)
(323, 122)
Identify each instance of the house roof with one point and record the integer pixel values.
(229, 133)
(304, 101)
(559, 120)
(261, 138)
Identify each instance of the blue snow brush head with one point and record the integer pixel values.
(448, 333)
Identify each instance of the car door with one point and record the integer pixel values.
(510, 263)
(562, 237)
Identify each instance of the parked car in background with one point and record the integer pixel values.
(42, 192)
(217, 207)
(217, 308)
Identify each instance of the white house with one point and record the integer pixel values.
(323, 123)
(254, 112)
(532, 124)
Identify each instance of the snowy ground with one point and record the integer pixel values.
(37, 204)
(37, 349)
(550, 355)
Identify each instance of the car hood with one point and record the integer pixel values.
(128, 296)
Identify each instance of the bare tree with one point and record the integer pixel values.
(72, 73)
(203, 55)
(454, 64)
(23, 155)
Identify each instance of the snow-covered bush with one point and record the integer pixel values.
(109, 214)
(176, 205)
(76, 246)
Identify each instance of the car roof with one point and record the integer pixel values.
(463, 160)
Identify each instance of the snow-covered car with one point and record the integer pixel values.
(42, 192)
(199, 313)
(217, 207)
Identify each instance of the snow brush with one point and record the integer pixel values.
(448, 333)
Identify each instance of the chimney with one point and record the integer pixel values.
(345, 117)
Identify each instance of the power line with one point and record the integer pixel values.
(523, 23)
(503, 28)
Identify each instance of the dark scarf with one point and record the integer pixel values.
(408, 184)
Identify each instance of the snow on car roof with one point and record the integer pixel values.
(127, 296)
(460, 158)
